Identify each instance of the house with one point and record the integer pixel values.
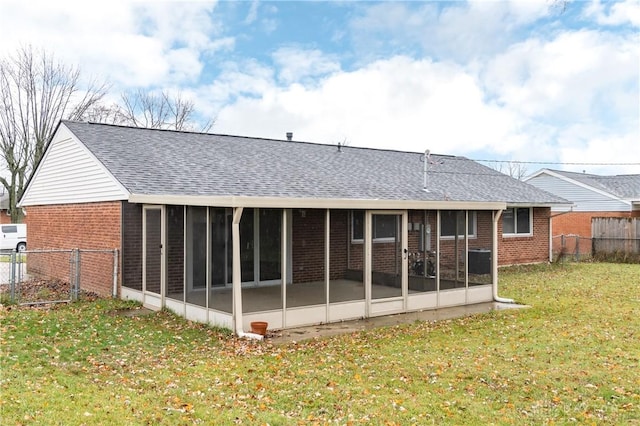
(5, 215)
(228, 230)
(591, 196)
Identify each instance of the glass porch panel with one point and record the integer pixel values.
(221, 260)
(422, 251)
(270, 244)
(221, 247)
(196, 267)
(153, 245)
(247, 246)
(175, 253)
(264, 293)
(307, 286)
(346, 257)
(386, 256)
(452, 246)
(480, 249)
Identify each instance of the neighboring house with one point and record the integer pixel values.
(5, 216)
(591, 196)
(211, 226)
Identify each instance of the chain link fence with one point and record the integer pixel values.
(578, 248)
(37, 277)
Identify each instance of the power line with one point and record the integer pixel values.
(556, 163)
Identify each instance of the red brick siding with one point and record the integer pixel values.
(175, 249)
(339, 240)
(578, 223)
(530, 249)
(70, 226)
(4, 217)
(308, 241)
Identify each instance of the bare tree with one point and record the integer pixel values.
(514, 169)
(159, 111)
(36, 92)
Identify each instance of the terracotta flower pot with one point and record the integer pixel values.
(259, 327)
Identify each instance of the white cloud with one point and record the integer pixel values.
(619, 13)
(397, 103)
(252, 15)
(456, 30)
(597, 145)
(296, 64)
(568, 78)
(131, 44)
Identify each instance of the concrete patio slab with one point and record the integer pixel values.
(344, 327)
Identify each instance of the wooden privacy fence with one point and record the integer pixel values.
(616, 237)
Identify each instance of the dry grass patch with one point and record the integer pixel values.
(571, 358)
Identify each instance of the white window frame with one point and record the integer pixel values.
(361, 240)
(515, 223)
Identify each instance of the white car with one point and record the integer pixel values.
(14, 236)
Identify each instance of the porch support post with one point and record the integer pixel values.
(236, 279)
(283, 266)
(494, 259)
(327, 259)
(368, 237)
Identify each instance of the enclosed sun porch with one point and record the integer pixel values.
(300, 266)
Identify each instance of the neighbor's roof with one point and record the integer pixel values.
(163, 162)
(621, 186)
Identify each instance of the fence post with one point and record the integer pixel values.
(12, 279)
(577, 256)
(76, 284)
(115, 273)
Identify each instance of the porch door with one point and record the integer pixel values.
(152, 270)
(261, 246)
(387, 263)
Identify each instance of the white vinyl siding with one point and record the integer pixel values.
(69, 173)
(585, 199)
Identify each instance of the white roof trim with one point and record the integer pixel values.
(315, 203)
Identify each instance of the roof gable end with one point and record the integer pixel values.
(70, 173)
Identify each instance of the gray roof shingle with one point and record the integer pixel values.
(622, 186)
(162, 162)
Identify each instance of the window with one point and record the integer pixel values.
(517, 221)
(450, 220)
(384, 226)
(9, 229)
(357, 225)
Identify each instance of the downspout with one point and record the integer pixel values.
(115, 273)
(494, 260)
(236, 279)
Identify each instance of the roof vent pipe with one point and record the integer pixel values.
(425, 162)
(289, 136)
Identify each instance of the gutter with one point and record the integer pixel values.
(494, 260)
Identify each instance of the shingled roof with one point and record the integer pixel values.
(178, 163)
(622, 186)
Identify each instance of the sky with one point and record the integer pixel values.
(533, 81)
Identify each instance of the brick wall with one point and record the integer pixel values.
(308, 245)
(83, 226)
(4, 217)
(175, 250)
(339, 240)
(579, 224)
(526, 249)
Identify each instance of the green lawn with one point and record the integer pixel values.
(573, 357)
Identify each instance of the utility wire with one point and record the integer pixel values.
(552, 162)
